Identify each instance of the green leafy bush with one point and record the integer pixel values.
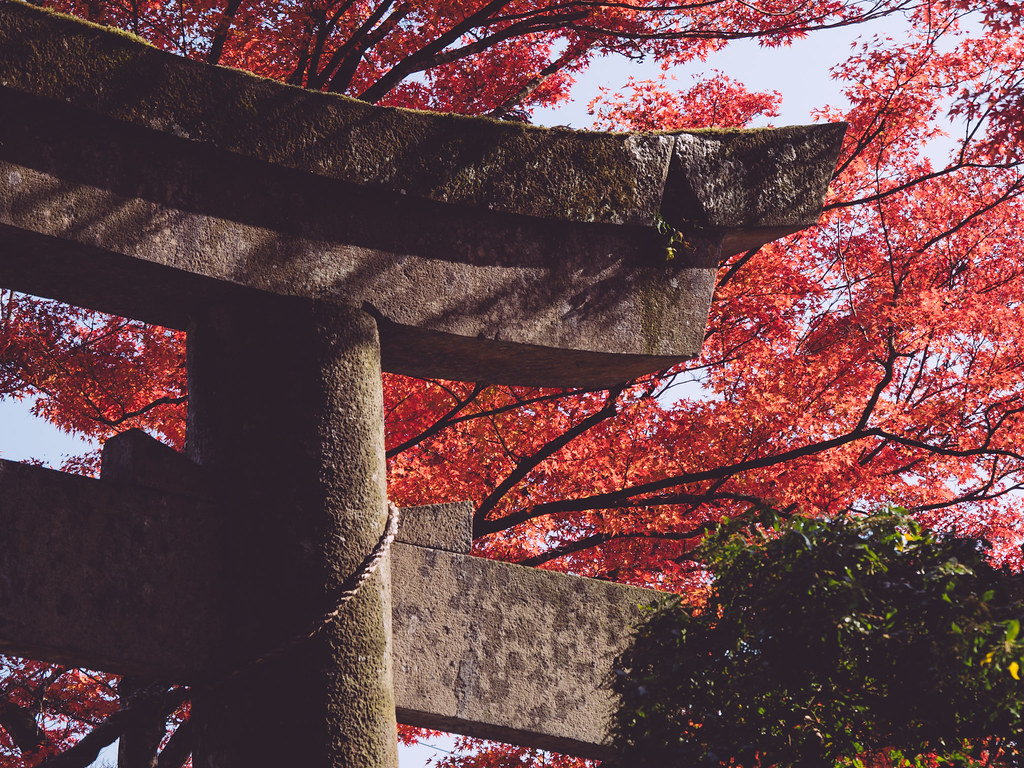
(835, 642)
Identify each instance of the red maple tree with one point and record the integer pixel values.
(872, 359)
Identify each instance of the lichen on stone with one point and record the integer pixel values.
(583, 176)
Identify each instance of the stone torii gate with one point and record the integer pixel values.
(304, 241)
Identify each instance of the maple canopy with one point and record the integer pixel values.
(872, 360)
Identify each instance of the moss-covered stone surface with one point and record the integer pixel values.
(151, 186)
(550, 173)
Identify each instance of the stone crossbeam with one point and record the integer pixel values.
(106, 575)
(124, 577)
(504, 652)
(486, 250)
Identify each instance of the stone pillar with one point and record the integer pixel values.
(139, 744)
(286, 415)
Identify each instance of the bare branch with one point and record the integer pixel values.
(220, 36)
(443, 423)
(481, 525)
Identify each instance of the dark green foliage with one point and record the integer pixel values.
(836, 642)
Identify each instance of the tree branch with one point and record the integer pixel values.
(626, 495)
(85, 752)
(141, 411)
(409, 64)
(343, 77)
(20, 724)
(481, 525)
(597, 539)
(443, 423)
(220, 36)
(345, 60)
(178, 748)
(903, 187)
(503, 110)
(736, 265)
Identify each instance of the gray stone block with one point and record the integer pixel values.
(503, 652)
(109, 575)
(439, 526)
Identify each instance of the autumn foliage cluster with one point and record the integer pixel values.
(873, 359)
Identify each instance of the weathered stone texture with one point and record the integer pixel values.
(285, 411)
(527, 653)
(488, 251)
(284, 229)
(480, 647)
(752, 186)
(505, 166)
(615, 178)
(134, 458)
(154, 227)
(439, 526)
(106, 574)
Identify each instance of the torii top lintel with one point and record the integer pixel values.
(141, 183)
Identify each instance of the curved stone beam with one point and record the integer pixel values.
(142, 183)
